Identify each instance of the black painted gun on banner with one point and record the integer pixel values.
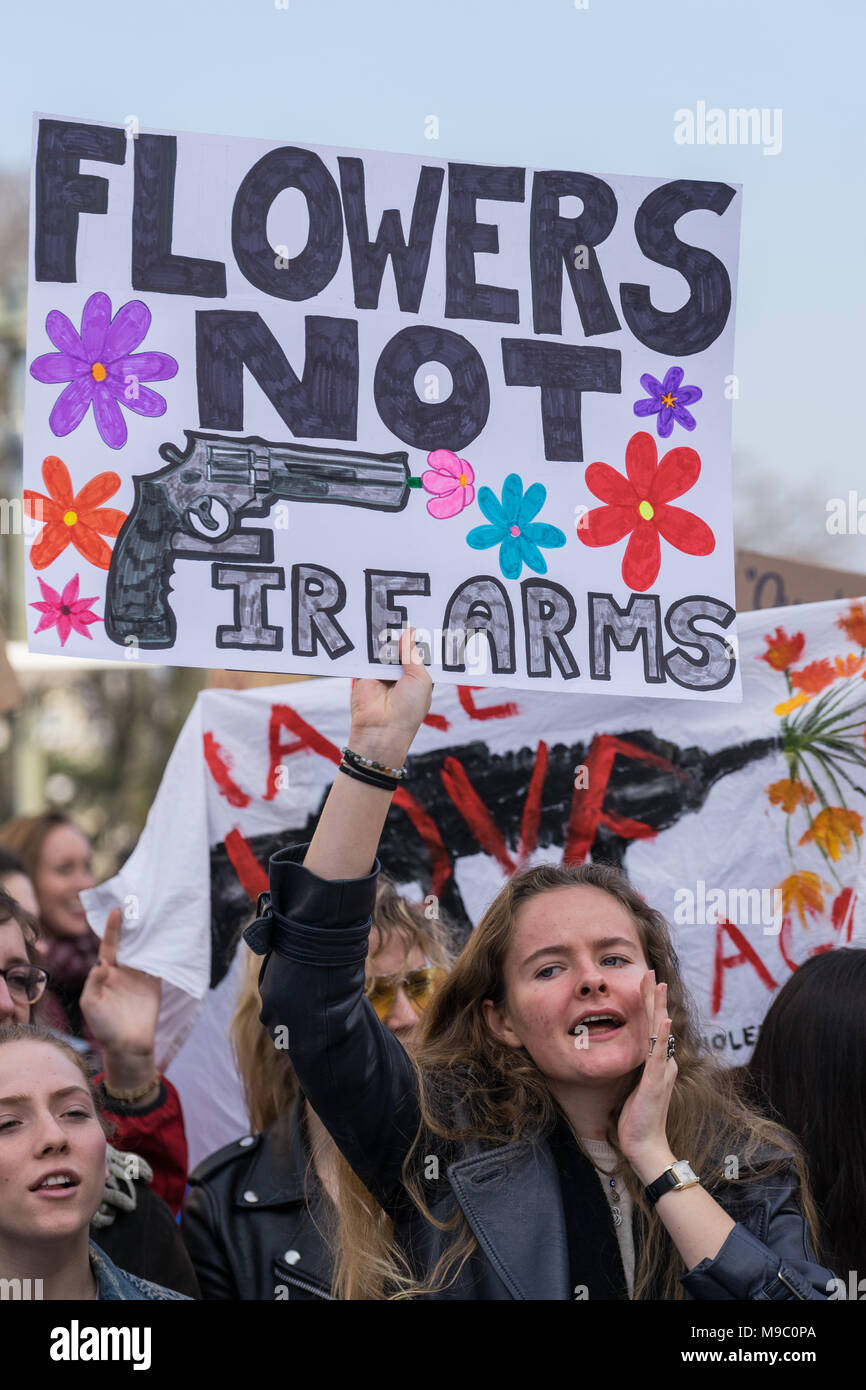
(193, 509)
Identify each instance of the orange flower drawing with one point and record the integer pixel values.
(853, 624)
(801, 893)
(78, 520)
(813, 677)
(832, 830)
(849, 665)
(782, 650)
(790, 794)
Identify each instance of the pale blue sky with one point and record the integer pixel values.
(540, 82)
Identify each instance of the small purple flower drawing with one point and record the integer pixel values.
(668, 400)
(101, 368)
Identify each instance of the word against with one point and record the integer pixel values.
(20, 1289)
(856, 1289)
(741, 906)
(846, 521)
(736, 126)
(75, 1343)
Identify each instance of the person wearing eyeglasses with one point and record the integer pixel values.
(267, 1216)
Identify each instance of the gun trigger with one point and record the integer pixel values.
(209, 518)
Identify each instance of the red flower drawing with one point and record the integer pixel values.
(67, 612)
(78, 520)
(639, 504)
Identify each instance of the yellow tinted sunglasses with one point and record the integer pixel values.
(420, 986)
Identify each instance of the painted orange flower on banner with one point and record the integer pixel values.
(853, 624)
(832, 830)
(789, 794)
(782, 650)
(801, 893)
(79, 520)
(814, 677)
(849, 665)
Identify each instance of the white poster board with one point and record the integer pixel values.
(282, 399)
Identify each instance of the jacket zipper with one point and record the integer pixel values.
(303, 1284)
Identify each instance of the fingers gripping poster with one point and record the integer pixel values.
(282, 400)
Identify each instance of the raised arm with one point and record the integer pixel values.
(351, 1068)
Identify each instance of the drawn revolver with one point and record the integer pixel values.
(193, 509)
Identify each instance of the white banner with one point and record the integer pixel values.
(365, 387)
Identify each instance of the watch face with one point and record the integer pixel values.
(682, 1171)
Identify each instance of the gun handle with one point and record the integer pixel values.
(136, 597)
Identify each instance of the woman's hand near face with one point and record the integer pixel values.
(696, 1223)
(642, 1122)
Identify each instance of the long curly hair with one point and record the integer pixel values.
(473, 1087)
(356, 1222)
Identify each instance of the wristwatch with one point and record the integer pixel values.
(673, 1179)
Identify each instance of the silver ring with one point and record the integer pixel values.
(653, 1041)
(671, 1046)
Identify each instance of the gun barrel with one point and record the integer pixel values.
(303, 474)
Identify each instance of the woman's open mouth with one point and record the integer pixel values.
(57, 1185)
(597, 1026)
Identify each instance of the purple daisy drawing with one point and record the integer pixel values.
(668, 400)
(101, 368)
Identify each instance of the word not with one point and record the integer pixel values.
(737, 126)
(846, 521)
(76, 1343)
(20, 1289)
(742, 906)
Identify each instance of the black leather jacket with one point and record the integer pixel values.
(362, 1086)
(247, 1223)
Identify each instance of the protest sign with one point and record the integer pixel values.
(324, 392)
(743, 825)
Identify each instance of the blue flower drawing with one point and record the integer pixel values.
(512, 527)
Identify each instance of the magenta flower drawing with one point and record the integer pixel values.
(67, 612)
(451, 480)
(101, 368)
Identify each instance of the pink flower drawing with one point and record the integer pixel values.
(67, 612)
(450, 479)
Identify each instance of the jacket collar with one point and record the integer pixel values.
(277, 1171)
(511, 1199)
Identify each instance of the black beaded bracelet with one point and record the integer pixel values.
(370, 765)
(372, 779)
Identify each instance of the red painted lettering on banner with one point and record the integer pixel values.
(481, 822)
(252, 877)
(218, 765)
(842, 911)
(437, 721)
(307, 739)
(587, 802)
(464, 695)
(746, 955)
